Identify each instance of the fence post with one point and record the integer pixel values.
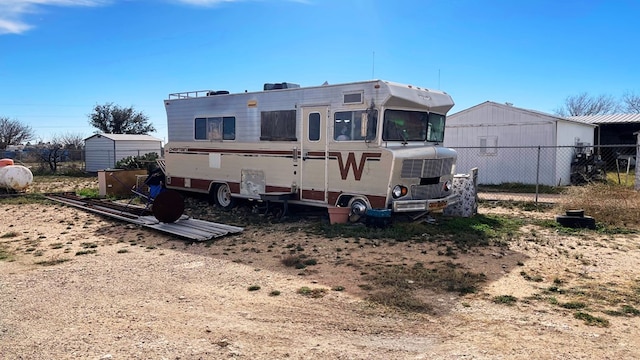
(537, 174)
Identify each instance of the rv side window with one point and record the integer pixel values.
(278, 125)
(435, 129)
(355, 125)
(314, 127)
(215, 128)
(228, 128)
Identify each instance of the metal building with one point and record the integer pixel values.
(102, 151)
(502, 141)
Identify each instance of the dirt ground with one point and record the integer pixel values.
(75, 285)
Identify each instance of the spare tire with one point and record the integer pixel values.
(168, 206)
(579, 222)
(578, 213)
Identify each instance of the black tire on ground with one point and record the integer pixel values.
(168, 206)
(222, 197)
(578, 213)
(584, 222)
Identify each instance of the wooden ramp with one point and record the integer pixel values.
(185, 226)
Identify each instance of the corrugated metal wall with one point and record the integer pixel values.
(99, 153)
(103, 153)
(495, 127)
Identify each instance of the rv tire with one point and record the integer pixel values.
(359, 208)
(221, 196)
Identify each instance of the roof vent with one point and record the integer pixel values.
(279, 86)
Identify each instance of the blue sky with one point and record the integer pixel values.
(59, 58)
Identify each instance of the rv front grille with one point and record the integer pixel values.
(411, 168)
(426, 168)
(423, 192)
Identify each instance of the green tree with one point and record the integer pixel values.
(113, 119)
(13, 132)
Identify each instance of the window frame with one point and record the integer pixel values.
(204, 128)
(355, 128)
(486, 149)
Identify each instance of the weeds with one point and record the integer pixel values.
(591, 320)
(298, 261)
(404, 300)
(86, 252)
(480, 230)
(51, 262)
(312, 293)
(505, 299)
(5, 255)
(615, 207)
(88, 193)
(574, 305)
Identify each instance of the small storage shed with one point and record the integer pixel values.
(501, 140)
(102, 151)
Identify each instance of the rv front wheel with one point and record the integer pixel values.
(359, 208)
(222, 197)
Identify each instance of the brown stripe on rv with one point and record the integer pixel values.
(377, 202)
(234, 151)
(201, 184)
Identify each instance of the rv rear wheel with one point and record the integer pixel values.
(222, 197)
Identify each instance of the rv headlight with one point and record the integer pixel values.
(399, 191)
(447, 186)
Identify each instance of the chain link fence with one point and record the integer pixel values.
(43, 161)
(527, 173)
(540, 173)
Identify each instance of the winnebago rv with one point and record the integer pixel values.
(371, 144)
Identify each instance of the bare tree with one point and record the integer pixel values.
(631, 103)
(113, 119)
(51, 154)
(73, 142)
(13, 132)
(585, 104)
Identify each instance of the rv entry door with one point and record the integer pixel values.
(313, 167)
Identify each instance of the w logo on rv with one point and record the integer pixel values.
(351, 163)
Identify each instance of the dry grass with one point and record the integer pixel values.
(612, 205)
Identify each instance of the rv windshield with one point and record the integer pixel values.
(400, 125)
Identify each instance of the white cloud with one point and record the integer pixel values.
(13, 12)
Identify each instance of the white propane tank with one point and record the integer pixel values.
(15, 177)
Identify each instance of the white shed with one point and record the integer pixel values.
(102, 151)
(502, 142)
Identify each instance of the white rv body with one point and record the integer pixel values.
(329, 145)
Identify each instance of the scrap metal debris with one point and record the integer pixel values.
(185, 226)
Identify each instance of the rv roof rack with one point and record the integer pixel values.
(191, 94)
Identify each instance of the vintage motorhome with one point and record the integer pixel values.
(371, 144)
